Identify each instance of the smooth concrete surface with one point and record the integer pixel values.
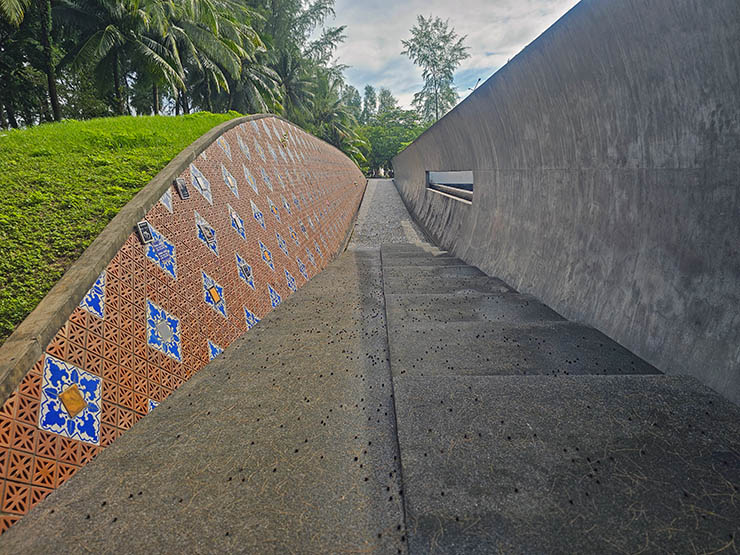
(311, 434)
(606, 160)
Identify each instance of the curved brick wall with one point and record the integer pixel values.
(276, 198)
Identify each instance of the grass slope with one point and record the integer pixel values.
(61, 183)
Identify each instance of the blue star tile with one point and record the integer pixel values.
(200, 183)
(318, 250)
(213, 294)
(206, 233)
(94, 300)
(291, 281)
(282, 244)
(58, 376)
(302, 268)
(296, 201)
(213, 350)
(245, 271)
(293, 235)
(250, 179)
(274, 296)
(251, 319)
(273, 209)
(257, 213)
(303, 228)
(243, 146)
(236, 222)
(162, 253)
(152, 405)
(163, 331)
(266, 179)
(223, 143)
(266, 255)
(230, 181)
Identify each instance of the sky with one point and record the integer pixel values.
(496, 31)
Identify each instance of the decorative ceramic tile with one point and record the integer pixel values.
(224, 144)
(266, 179)
(151, 405)
(258, 215)
(266, 255)
(293, 235)
(162, 253)
(213, 350)
(255, 127)
(291, 281)
(201, 184)
(302, 268)
(273, 209)
(236, 222)
(206, 233)
(296, 202)
(94, 300)
(310, 222)
(318, 249)
(230, 181)
(274, 296)
(245, 271)
(166, 200)
(259, 150)
(280, 179)
(286, 205)
(281, 243)
(272, 152)
(163, 331)
(250, 179)
(251, 319)
(303, 228)
(59, 378)
(310, 257)
(243, 147)
(213, 294)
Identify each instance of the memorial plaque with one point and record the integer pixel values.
(182, 188)
(145, 232)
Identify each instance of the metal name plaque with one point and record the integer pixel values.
(145, 233)
(182, 188)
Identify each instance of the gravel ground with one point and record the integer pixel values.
(383, 218)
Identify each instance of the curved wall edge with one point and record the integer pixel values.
(128, 323)
(606, 160)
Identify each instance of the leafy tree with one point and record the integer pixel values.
(389, 132)
(369, 104)
(353, 101)
(437, 49)
(386, 102)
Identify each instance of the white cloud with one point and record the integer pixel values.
(496, 31)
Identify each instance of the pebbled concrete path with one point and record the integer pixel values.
(403, 401)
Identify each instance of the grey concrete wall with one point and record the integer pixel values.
(606, 158)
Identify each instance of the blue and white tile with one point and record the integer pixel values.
(243, 147)
(151, 405)
(250, 179)
(94, 299)
(58, 376)
(163, 331)
(273, 209)
(281, 243)
(259, 150)
(218, 305)
(258, 215)
(275, 298)
(200, 183)
(290, 280)
(266, 179)
(230, 181)
(302, 268)
(266, 255)
(224, 144)
(245, 271)
(250, 318)
(237, 223)
(162, 253)
(166, 200)
(213, 350)
(206, 233)
(310, 257)
(286, 205)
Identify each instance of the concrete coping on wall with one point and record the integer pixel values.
(29, 340)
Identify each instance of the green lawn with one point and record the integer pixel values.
(61, 183)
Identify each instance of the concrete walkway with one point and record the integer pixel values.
(404, 401)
